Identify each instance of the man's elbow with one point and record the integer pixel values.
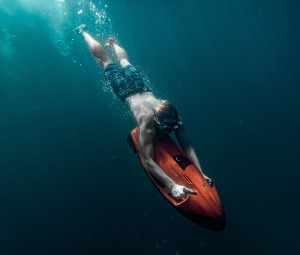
(148, 163)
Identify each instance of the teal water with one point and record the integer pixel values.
(69, 184)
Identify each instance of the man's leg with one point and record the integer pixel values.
(95, 47)
(120, 52)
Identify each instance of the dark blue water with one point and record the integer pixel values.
(69, 184)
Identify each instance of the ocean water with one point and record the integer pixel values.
(69, 184)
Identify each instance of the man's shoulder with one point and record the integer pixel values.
(145, 119)
(147, 130)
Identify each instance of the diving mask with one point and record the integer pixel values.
(167, 125)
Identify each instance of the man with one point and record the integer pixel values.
(155, 118)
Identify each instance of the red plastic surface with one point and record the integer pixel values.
(205, 208)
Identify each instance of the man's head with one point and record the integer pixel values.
(166, 117)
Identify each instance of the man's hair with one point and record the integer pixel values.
(165, 111)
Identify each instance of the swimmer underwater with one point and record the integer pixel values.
(155, 118)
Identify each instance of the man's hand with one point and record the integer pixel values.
(179, 191)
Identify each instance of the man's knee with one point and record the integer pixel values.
(106, 63)
(124, 62)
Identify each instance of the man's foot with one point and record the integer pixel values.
(80, 29)
(110, 43)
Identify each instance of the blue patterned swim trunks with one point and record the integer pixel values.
(126, 82)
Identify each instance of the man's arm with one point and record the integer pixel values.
(187, 147)
(147, 135)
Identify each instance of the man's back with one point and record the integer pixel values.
(141, 105)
